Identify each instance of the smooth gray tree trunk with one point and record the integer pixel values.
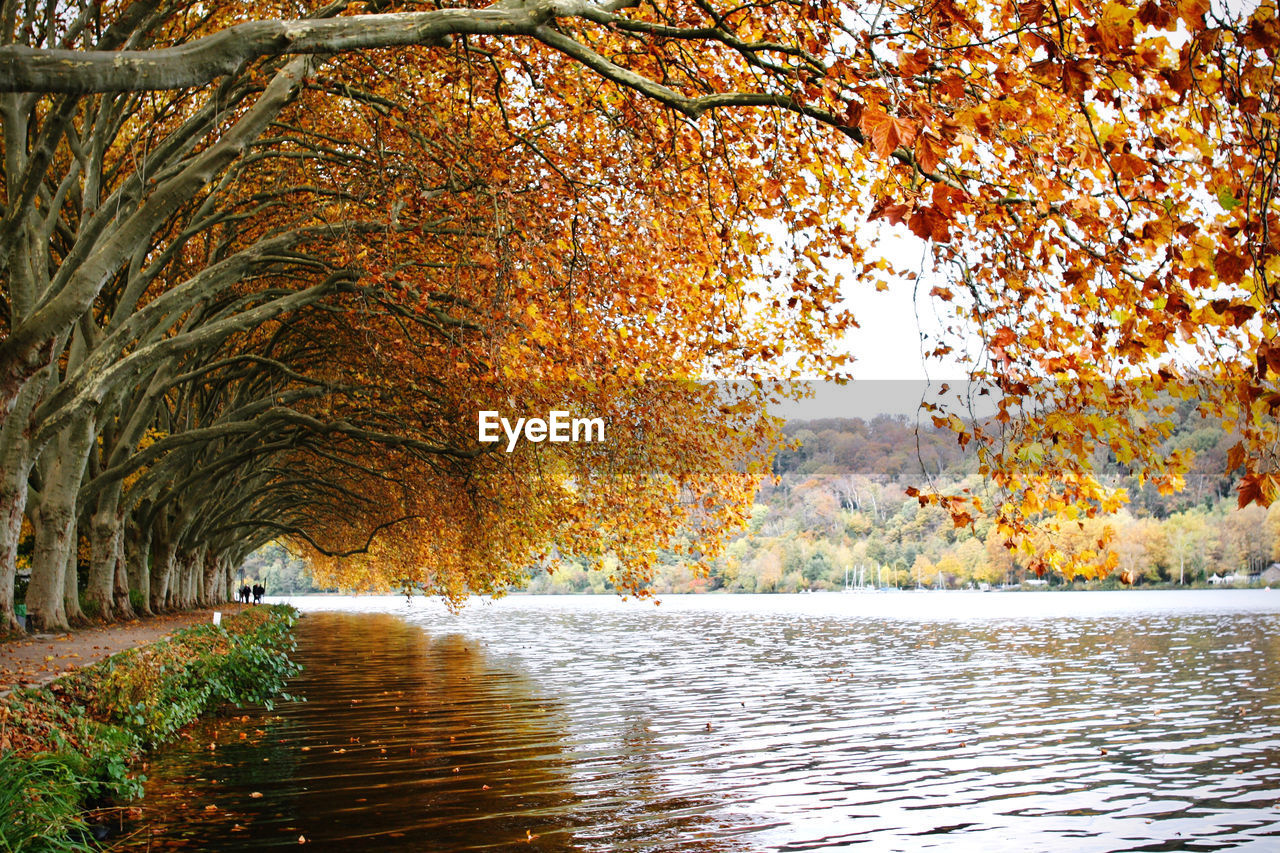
(124, 603)
(16, 460)
(104, 540)
(50, 603)
(137, 555)
(162, 559)
(71, 583)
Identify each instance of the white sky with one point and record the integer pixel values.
(891, 375)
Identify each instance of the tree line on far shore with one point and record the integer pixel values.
(838, 513)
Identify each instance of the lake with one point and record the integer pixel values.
(1051, 721)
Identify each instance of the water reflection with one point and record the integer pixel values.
(735, 726)
(403, 741)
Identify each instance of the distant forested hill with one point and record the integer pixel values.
(838, 508)
(899, 449)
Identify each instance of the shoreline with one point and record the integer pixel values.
(73, 746)
(285, 597)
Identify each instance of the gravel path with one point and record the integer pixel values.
(40, 658)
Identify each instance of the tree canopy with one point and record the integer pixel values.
(263, 262)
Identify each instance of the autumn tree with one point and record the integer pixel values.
(1096, 184)
(493, 264)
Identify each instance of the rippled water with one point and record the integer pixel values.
(1017, 721)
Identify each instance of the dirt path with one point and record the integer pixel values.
(43, 657)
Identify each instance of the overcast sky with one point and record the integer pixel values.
(891, 375)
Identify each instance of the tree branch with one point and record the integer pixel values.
(199, 62)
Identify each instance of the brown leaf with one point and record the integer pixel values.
(929, 152)
(952, 86)
(1250, 488)
(1076, 77)
(1230, 266)
(1235, 456)
(853, 115)
(887, 133)
(929, 223)
(1269, 356)
(1031, 12)
(1154, 15)
(882, 209)
(913, 64)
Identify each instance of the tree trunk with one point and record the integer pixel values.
(212, 572)
(54, 525)
(50, 600)
(124, 604)
(104, 535)
(12, 502)
(228, 577)
(15, 466)
(193, 573)
(162, 560)
(196, 569)
(108, 583)
(71, 585)
(182, 597)
(45, 596)
(137, 551)
(16, 459)
(177, 582)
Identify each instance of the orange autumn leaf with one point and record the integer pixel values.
(887, 133)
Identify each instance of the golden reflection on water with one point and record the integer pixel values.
(588, 726)
(405, 742)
